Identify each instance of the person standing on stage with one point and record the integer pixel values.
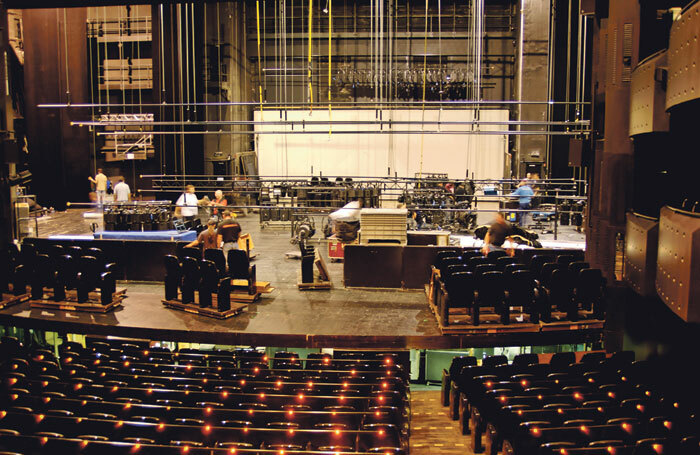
(100, 182)
(186, 204)
(122, 192)
(524, 193)
(228, 233)
(219, 201)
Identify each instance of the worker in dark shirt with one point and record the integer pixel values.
(208, 237)
(228, 233)
(498, 232)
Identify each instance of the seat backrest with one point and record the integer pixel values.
(481, 269)
(565, 259)
(476, 261)
(562, 360)
(494, 360)
(27, 255)
(190, 268)
(191, 252)
(468, 254)
(510, 268)
(89, 272)
(546, 271)
(590, 277)
(521, 283)
(217, 257)
(56, 251)
(461, 286)
(589, 283)
(561, 280)
(446, 262)
(496, 254)
(238, 264)
(490, 286)
(67, 271)
(97, 254)
(440, 255)
(43, 268)
(537, 261)
(459, 362)
(172, 265)
(525, 359)
(75, 251)
(209, 272)
(452, 269)
(503, 261)
(577, 266)
(593, 357)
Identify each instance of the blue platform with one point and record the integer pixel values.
(185, 236)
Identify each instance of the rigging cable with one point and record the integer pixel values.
(330, 31)
(257, 14)
(311, 89)
(425, 63)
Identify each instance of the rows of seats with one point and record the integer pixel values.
(123, 397)
(58, 269)
(547, 283)
(209, 275)
(599, 405)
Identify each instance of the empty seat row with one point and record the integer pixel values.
(207, 276)
(567, 286)
(82, 270)
(601, 403)
(105, 395)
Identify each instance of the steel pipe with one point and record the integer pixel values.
(329, 122)
(477, 132)
(303, 105)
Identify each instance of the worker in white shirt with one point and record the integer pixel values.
(122, 192)
(100, 182)
(186, 204)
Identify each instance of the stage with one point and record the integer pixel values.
(340, 317)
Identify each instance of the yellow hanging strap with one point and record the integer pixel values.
(425, 63)
(257, 14)
(330, 31)
(311, 89)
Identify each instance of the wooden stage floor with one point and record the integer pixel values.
(338, 317)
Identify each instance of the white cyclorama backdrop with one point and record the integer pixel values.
(379, 155)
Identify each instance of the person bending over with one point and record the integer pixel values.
(208, 237)
(228, 233)
(498, 232)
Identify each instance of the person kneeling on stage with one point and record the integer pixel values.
(208, 237)
(228, 233)
(498, 232)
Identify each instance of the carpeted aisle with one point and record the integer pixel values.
(432, 431)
